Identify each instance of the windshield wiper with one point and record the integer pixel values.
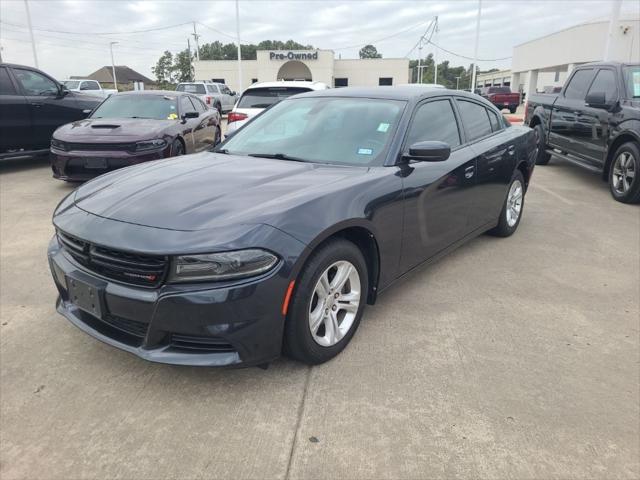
(277, 156)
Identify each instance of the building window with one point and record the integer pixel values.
(218, 80)
(385, 81)
(341, 82)
(254, 80)
(557, 77)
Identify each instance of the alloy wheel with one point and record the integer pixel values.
(624, 171)
(334, 303)
(514, 203)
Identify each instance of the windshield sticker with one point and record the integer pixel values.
(383, 127)
(636, 84)
(172, 116)
(365, 151)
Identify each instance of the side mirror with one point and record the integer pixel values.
(63, 90)
(431, 151)
(190, 115)
(597, 100)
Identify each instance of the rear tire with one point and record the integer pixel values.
(326, 309)
(218, 137)
(624, 173)
(543, 157)
(513, 109)
(512, 209)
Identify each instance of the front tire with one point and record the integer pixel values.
(624, 174)
(543, 157)
(177, 148)
(327, 305)
(512, 209)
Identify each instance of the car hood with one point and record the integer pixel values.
(110, 128)
(208, 190)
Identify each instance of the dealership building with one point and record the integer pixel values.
(314, 65)
(544, 63)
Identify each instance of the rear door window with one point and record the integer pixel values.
(265, 97)
(496, 124)
(6, 86)
(475, 119)
(434, 121)
(197, 88)
(212, 89)
(578, 85)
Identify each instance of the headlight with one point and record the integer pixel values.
(150, 145)
(221, 266)
(57, 144)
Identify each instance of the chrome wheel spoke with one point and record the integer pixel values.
(514, 203)
(334, 303)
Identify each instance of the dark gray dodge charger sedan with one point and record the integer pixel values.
(275, 242)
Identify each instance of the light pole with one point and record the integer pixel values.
(33, 40)
(435, 63)
(475, 53)
(457, 83)
(239, 49)
(113, 66)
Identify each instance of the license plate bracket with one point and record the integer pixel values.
(85, 296)
(96, 163)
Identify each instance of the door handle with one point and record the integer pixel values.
(37, 105)
(511, 149)
(577, 112)
(469, 171)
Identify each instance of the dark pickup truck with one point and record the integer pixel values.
(594, 122)
(32, 106)
(501, 97)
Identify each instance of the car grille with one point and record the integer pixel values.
(200, 344)
(132, 327)
(98, 147)
(133, 268)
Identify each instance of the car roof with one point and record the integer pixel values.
(389, 93)
(290, 83)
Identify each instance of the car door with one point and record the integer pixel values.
(48, 107)
(566, 131)
(495, 152)
(15, 117)
(438, 195)
(228, 99)
(90, 86)
(205, 131)
(189, 125)
(595, 121)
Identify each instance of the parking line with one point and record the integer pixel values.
(557, 195)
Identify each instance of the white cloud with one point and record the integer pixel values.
(325, 24)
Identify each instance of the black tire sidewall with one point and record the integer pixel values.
(176, 146)
(503, 229)
(299, 342)
(543, 157)
(633, 194)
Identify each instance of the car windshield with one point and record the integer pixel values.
(632, 81)
(71, 84)
(197, 88)
(158, 107)
(338, 130)
(264, 97)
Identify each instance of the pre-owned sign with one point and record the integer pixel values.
(293, 55)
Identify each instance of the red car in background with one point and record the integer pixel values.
(501, 97)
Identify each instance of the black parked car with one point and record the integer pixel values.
(594, 122)
(133, 127)
(32, 106)
(281, 237)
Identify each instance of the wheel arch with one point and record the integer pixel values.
(622, 138)
(363, 236)
(181, 140)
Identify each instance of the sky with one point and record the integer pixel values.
(72, 37)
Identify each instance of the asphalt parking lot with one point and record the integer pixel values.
(510, 358)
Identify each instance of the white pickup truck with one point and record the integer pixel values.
(87, 86)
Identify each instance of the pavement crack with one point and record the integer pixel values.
(303, 401)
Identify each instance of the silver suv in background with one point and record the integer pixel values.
(262, 95)
(215, 95)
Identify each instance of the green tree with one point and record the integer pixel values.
(164, 68)
(182, 71)
(369, 51)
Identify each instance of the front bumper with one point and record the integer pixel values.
(74, 166)
(198, 324)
